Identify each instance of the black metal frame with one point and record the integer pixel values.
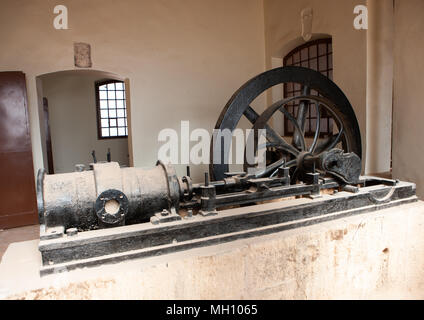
(305, 60)
(98, 112)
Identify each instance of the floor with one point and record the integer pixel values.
(17, 234)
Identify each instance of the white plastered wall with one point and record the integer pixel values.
(184, 58)
(180, 61)
(379, 85)
(408, 110)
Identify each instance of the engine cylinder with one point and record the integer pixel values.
(106, 196)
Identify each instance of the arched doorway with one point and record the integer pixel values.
(76, 113)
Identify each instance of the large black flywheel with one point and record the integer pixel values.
(318, 94)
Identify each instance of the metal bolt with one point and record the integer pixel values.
(154, 220)
(71, 232)
(79, 167)
(206, 179)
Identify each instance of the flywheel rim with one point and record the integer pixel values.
(243, 97)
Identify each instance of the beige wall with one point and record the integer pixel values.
(379, 85)
(330, 17)
(184, 58)
(73, 126)
(408, 112)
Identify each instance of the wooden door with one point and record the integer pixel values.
(18, 206)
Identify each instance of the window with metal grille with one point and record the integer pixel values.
(111, 109)
(316, 55)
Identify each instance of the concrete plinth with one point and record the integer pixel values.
(373, 255)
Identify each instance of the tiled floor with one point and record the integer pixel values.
(16, 235)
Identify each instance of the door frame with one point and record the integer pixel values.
(48, 138)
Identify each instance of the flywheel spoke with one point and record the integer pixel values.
(271, 134)
(301, 118)
(329, 143)
(317, 128)
(296, 126)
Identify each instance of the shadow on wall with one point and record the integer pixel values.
(72, 119)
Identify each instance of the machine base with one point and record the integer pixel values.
(91, 248)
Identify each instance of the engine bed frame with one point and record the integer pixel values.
(170, 233)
